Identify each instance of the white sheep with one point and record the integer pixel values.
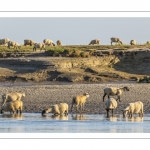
(12, 107)
(79, 101)
(115, 40)
(133, 108)
(96, 41)
(48, 42)
(28, 42)
(57, 109)
(111, 104)
(9, 97)
(133, 42)
(59, 43)
(39, 45)
(112, 91)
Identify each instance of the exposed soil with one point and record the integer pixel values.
(101, 66)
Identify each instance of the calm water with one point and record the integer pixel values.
(35, 123)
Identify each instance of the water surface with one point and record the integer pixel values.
(35, 123)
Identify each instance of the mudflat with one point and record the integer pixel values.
(42, 95)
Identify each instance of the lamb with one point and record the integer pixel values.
(13, 106)
(133, 42)
(39, 45)
(111, 104)
(48, 42)
(28, 42)
(115, 40)
(59, 43)
(79, 101)
(57, 109)
(9, 97)
(96, 41)
(133, 108)
(112, 91)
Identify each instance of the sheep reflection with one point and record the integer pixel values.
(78, 117)
(17, 116)
(134, 119)
(57, 117)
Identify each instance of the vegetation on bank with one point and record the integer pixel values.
(74, 47)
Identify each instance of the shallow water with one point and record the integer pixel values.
(35, 123)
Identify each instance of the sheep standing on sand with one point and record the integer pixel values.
(133, 108)
(39, 45)
(133, 42)
(9, 97)
(59, 43)
(79, 101)
(96, 41)
(115, 40)
(111, 104)
(13, 106)
(112, 91)
(57, 109)
(48, 42)
(28, 42)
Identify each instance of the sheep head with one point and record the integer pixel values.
(126, 88)
(86, 94)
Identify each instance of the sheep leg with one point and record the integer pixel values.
(104, 96)
(107, 113)
(17, 111)
(71, 107)
(112, 112)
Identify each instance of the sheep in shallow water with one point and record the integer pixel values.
(9, 97)
(133, 108)
(112, 91)
(79, 101)
(12, 107)
(57, 109)
(111, 104)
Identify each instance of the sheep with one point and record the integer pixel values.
(96, 41)
(133, 108)
(111, 104)
(59, 43)
(115, 40)
(112, 91)
(57, 109)
(148, 42)
(13, 106)
(28, 42)
(9, 97)
(4, 41)
(133, 42)
(79, 101)
(39, 45)
(13, 43)
(48, 42)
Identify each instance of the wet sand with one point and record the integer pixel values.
(40, 96)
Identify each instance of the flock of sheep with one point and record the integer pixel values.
(12, 103)
(49, 42)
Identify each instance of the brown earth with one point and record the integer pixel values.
(101, 66)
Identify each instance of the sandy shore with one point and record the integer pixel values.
(39, 96)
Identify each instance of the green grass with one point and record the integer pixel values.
(60, 49)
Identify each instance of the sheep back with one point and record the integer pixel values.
(111, 103)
